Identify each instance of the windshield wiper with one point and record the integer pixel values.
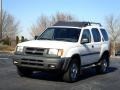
(64, 39)
(44, 39)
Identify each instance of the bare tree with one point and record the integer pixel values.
(9, 26)
(61, 17)
(44, 22)
(113, 25)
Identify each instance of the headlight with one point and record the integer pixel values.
(19, 49)
(58, 52)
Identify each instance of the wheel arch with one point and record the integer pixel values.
(70, 60)
(77, 56)
(107, 54)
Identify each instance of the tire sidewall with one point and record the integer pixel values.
(104, 64)
(74, 62)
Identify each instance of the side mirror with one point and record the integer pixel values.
(84, 40)
(35, 37)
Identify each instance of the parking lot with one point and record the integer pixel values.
(10, 80)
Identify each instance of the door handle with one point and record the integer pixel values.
(92, 46)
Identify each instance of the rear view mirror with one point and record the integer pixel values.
(35, 37)
(84, 40)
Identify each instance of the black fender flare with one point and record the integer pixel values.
(67, 62)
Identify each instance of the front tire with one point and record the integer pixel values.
(72, 74)
(24, 72)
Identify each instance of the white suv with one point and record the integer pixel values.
(66, 47)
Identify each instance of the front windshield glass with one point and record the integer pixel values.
(60, 34)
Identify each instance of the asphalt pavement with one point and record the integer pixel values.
(10, 80)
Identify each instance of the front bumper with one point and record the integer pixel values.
(41, 62)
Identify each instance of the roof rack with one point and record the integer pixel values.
(75, 24)
(94, 23)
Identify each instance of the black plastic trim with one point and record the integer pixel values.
(90, 54)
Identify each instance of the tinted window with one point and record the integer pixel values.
(48, 34)
(96, 35)
(86, 34)
(105, 35)
(61, 34)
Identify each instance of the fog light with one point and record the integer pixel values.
(15, 62)
(52, 66)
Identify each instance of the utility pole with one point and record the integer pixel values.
(1, 23)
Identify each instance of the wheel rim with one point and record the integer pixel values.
(104, 65)
(74, 71)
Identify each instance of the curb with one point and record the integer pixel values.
(6, 52)
(115, 57)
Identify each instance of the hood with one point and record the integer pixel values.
(47, 44)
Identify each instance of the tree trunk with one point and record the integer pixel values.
(114, 50)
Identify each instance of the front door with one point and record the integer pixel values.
(86, 49)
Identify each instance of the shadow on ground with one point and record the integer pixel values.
(91, 72)
(87, 73)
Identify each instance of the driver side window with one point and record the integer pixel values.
(86, 35)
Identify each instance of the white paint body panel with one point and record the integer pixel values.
(72, 48)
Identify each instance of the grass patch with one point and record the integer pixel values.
(6, 48)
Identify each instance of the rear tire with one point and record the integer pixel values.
(24, 72)
(104, 64)
(72, 74)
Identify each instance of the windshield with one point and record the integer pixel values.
(60, 34)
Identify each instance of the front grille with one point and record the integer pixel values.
(32, 62)
(36, 64)
(34, 51)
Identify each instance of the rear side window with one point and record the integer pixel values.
(104, 33)
(96, 35)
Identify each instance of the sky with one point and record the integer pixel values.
(28, 11)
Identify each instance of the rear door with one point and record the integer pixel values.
(96, 43)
